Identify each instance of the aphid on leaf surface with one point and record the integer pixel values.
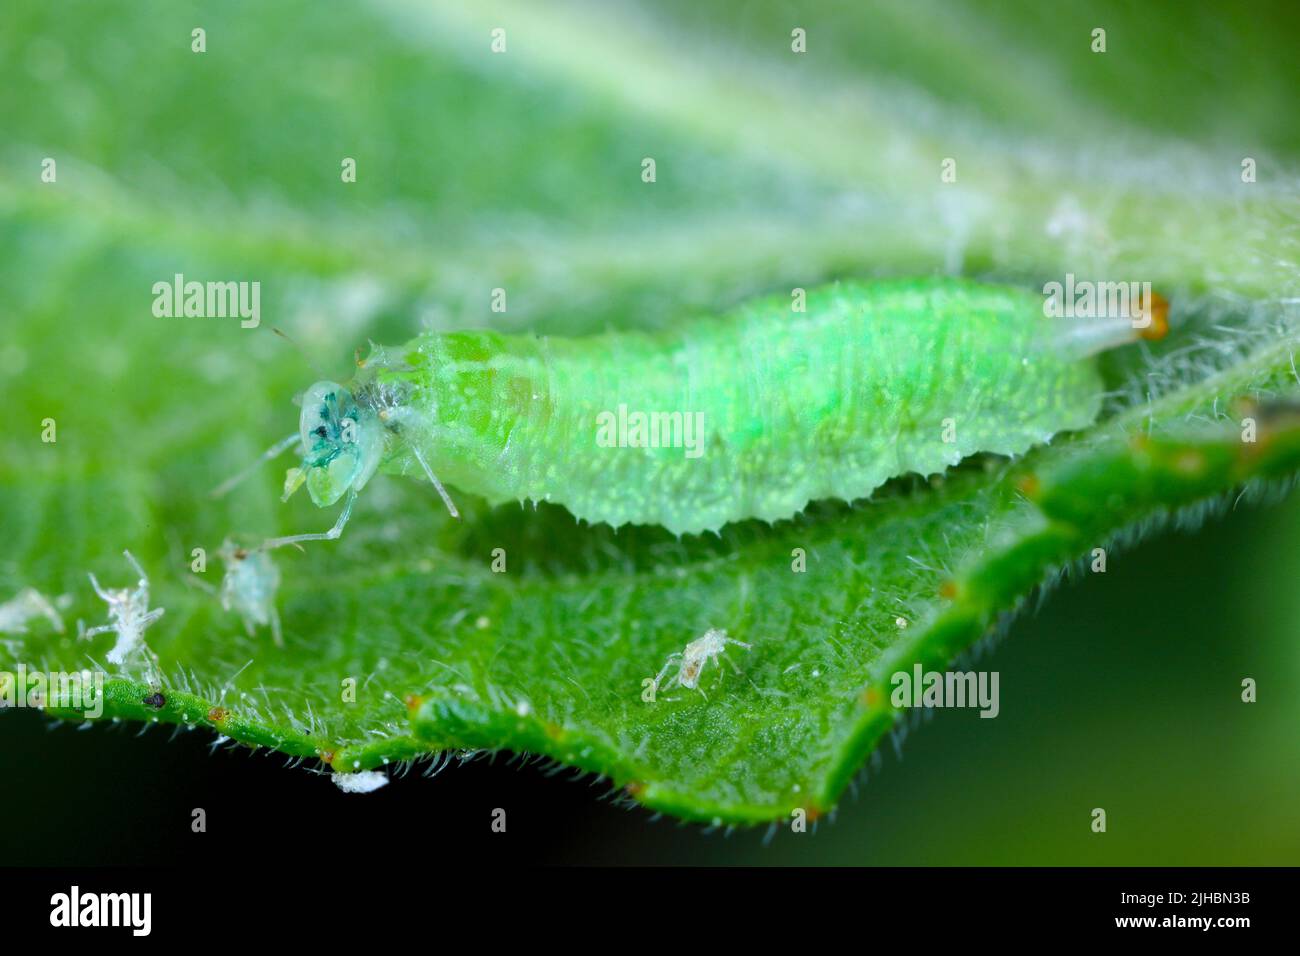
(27, 604)
(128, 613)
(873, 380)
(690, 661)
(248, 587)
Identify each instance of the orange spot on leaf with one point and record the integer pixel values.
(1029, 485)
(1190, 462)
(1159, 326)
(1140, 442)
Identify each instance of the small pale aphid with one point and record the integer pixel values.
(248, 587)
(690, 662)
(22, 607)
(128, 613)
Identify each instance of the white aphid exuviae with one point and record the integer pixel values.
(128, 613)
(366, 781)
(691, 660)
(27, 604)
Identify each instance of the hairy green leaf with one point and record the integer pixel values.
(522, 172)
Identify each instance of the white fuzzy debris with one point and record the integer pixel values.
(27, 604)
(367, 781)
(128, 613)
(690, 661)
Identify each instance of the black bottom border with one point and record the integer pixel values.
(373, 894)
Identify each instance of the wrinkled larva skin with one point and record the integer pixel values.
(828, 403)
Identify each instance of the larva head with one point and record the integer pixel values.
(1157, 313)
(1137, 316)
(342, 444)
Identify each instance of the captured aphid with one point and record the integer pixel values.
(128, 613)
(24, 606)
(343, 443)
(248, 587)
(752, 414)
(689, 663)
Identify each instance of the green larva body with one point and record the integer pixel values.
(872, 380)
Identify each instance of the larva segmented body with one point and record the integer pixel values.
(762, 409)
